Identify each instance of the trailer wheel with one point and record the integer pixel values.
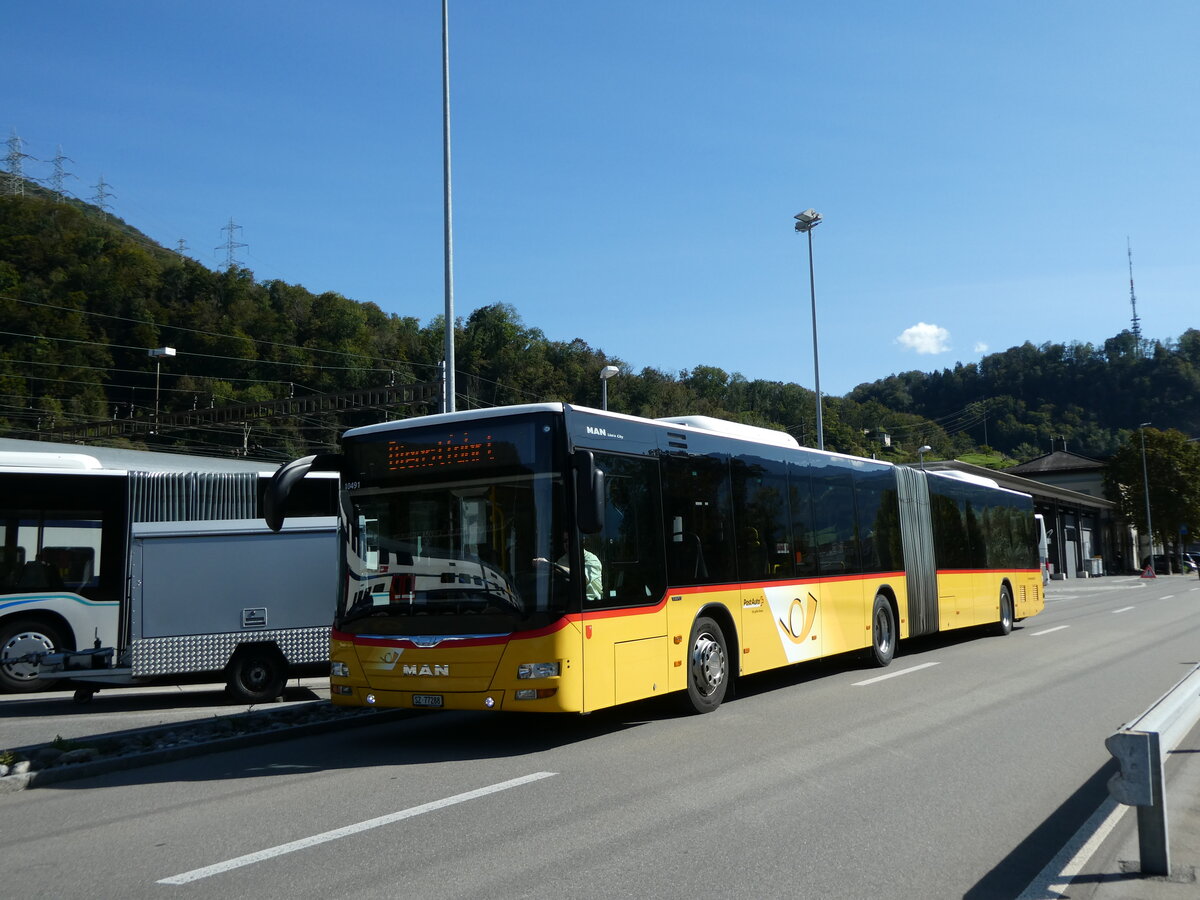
(20, 637)
(257, 674)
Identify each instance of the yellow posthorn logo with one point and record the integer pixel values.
(800, 618)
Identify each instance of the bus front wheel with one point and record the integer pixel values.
(708, 666)
(883, 631)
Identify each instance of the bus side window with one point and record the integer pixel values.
(700, 522)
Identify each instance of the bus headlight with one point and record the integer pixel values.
(539, 670)
(339, 670)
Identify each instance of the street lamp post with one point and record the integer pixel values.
(158, 353)
(1146, 485)
(921, 451)
(805, 223)
(606, 373)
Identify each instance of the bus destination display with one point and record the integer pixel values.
(462, 449)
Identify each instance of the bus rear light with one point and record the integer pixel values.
(539, 670)
(535, 694)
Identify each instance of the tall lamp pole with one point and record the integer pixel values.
(805, 223)
(158, 353)
(1146, 485)
(448, 378)
(921, 451)
(606, 373)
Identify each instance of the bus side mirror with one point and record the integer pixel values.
(275, 500)
(589, 492)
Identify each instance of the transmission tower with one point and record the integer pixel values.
(102, 196)
(1137, 328)
(181, 248)
(15, 182)
(230, 244)
(60, 175)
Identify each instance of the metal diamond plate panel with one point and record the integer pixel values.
(212, 652)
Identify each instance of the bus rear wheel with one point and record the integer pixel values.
(883, 631)
(708, 666)
(1005, 625)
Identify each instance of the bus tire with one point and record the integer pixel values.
(708, 666)
(883, 631)
(1005, 625)
(17, 638)
(257, 673)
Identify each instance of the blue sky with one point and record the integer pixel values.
(626, 171)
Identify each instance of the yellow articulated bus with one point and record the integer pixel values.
(555, 558)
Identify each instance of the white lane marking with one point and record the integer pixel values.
(1168, 597)
(270, 853)
(1123, 609)
(1049, 630)
(896, 674)
(1056, 877)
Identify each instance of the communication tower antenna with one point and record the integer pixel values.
(60, 173)
(102, 196)
(15, 183)
(1137, 328)
(230, 244)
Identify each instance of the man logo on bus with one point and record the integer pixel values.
(424, 669)
(800, 617)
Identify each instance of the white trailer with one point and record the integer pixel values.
(229, 597)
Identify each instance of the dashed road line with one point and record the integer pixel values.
(303, 843)
(1049, 630)
(895, 674)
(1123, 609)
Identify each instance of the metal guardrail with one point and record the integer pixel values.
(1141, 746)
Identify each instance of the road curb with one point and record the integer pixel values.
(268, 727)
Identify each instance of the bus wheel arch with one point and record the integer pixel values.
(885, 631)
(256, 673)
(1007, 611)
(30, 633)
(710, 655)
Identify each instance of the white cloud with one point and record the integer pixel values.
(925, 338)
(981, 347)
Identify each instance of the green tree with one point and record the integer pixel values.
(1172, 467)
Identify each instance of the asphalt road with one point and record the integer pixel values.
(960, 771)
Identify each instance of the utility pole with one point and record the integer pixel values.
(16, 178)
(102, 196)
(230, 244)
(60, 175)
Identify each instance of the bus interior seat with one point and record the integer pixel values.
(39, 575)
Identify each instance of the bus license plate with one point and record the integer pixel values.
(427, 699)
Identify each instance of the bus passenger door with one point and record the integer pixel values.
(624, 622)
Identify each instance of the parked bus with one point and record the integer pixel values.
(119, 567)
(556, 558)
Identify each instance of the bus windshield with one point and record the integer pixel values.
(455, 554)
